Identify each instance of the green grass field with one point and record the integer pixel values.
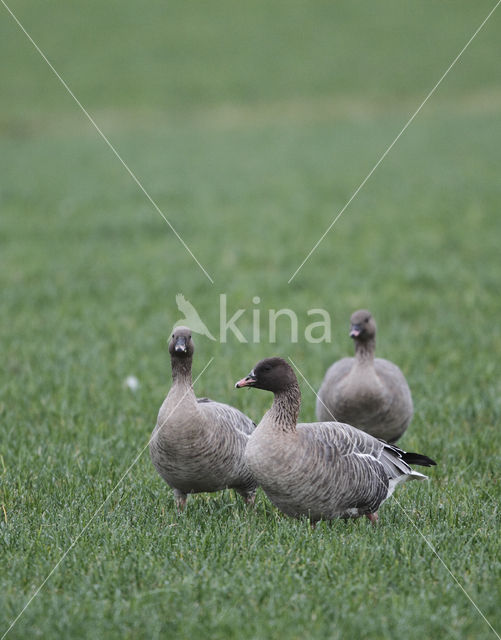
(250, 126)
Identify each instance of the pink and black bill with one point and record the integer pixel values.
(248, 381)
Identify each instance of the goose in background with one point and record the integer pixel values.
(369, 393)
(198, 445)
(321, 470)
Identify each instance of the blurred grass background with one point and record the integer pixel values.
(250, 126)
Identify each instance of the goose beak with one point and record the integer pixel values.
(181, 345)
(248, 381)
(355, 331)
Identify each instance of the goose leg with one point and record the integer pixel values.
(249, 498)
(373, 517)
(180, 498)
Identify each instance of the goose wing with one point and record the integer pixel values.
(337, 371)
(227, 416)
(347, 466)
(350, 443)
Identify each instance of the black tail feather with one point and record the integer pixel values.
(417, 458)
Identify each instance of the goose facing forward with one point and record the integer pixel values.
(370, 393)
(321, 470)
(198, 445)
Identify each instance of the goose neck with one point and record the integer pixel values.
(364, 351)
(181, 371)
(285, 408)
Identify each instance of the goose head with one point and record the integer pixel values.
(181, 345)
(362, 326)
(270, 374)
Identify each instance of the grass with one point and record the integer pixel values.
(251, 128)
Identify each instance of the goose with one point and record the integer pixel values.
(198, 445)
(322, 470)
(370, 393)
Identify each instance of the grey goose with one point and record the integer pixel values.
(370, 393)
(198, 445)
(320, 470)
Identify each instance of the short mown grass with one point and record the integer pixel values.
(250, 127)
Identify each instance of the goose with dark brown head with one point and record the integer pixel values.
(198, 445)
(370, 393)
(322, 470)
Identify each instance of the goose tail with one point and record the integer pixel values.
(417, 458)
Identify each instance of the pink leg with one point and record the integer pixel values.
(180, 499)
(373, 517)
(249, 500)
